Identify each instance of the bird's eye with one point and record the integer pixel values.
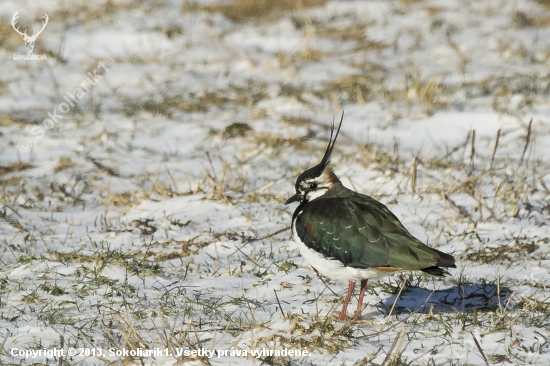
(313, 185)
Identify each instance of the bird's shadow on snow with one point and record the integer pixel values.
(459, 298)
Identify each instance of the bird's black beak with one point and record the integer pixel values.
(294, 198)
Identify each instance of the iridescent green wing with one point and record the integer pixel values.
(361, 232)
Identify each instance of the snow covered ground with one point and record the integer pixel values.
(143, 168)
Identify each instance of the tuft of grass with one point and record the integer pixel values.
(298, 121)
(15, 167)
(291, 90)
(352, 88)
(237, 129)
(64, 163)
(8, 38)
(169, 103)
(544, 2)
(320, 333)
(505, 253)
(241, 11)
(163, 106)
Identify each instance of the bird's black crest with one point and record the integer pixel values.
(318, 169)
(328, 153)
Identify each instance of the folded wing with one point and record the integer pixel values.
(363, 233)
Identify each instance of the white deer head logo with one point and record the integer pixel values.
(29, 41)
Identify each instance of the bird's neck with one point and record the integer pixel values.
(331, 177)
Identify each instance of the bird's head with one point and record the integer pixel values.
(316, 181)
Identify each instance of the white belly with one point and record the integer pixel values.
(333, 268)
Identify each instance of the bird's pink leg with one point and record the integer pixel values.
(357, 315)
(344, 313)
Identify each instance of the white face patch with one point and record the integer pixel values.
(315, 187)
(311, 195)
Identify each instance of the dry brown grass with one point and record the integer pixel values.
(544, 2)
(297, 59)
(8, 38)
(65, 163)
(356, 33)
(241, 11)
(16, 167)
(354, 88)
(298, 121)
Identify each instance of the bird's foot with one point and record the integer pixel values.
(344, 317)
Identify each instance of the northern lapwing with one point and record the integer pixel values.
(350, 236)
